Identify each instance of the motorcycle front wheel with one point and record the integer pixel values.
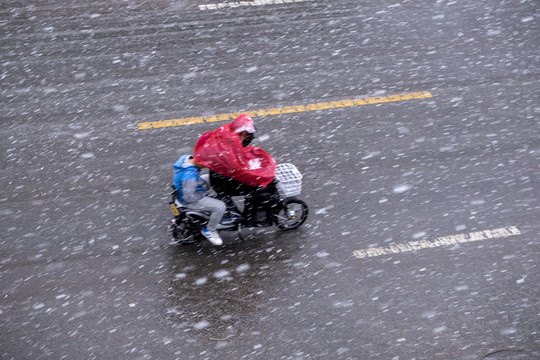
(291, 214)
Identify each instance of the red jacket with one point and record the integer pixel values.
(221, 150)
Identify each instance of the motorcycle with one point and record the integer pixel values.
(276, 204)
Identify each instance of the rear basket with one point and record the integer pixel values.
(289, 179)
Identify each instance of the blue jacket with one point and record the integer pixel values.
(187, 181)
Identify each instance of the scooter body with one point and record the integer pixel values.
(262, 209)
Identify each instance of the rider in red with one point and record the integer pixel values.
(237, 169)
(225, 150)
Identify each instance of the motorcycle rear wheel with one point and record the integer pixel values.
(292, 213)
(182, 235)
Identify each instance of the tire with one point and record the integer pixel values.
(292, 213)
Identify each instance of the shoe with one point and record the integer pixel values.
(212, 236)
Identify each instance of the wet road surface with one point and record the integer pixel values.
(422, 240)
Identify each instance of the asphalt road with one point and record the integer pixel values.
(422, 240)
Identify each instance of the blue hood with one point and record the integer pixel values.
(183, 163)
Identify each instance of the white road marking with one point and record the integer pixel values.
(234, 4)
(440, 241)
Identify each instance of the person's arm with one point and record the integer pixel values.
(190, 193)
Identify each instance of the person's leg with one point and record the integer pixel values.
(227, 186)
(214, 206)
(220, 185)
(263, 199)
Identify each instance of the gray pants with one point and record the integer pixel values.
(214, 206)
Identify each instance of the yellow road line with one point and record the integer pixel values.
(285, 110)
(441, 241)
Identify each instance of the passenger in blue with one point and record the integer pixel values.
(192, 194)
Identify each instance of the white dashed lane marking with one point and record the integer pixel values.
(234, 4)
(438, 242)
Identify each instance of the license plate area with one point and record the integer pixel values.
(174, 210)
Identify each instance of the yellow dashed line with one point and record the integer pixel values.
(285, 110)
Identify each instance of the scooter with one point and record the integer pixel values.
(276, 204)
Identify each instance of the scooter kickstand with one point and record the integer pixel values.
(239, 233)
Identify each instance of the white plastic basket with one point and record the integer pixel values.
(289, 179)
